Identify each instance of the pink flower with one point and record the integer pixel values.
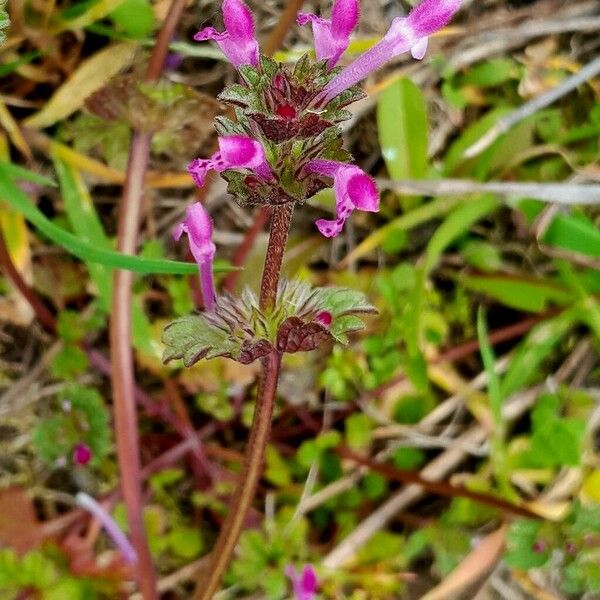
(304, 585)
(198, 226)
(82, 454)
(405, 34)
(353, 188)
(235, 152)
(238, 41)
(332, 36)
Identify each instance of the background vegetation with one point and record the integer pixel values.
(478, 380)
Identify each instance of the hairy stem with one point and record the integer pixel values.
(123, 382)
(252, 471)
(281, 217)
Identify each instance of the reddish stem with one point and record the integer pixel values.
(123, 382)
(43, 314)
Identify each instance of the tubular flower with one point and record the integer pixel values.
(111, 528)
(353, 188)
(238, 41)
(235, 152)
(406, 33)
(198, 226)
(332, 36)
(304, 585)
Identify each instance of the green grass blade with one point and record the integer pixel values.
(86, 225)
(19, 201)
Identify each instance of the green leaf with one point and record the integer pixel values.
(277, 471)
(402, 130)
(4, 21)
(86, 224)
(18, 200)
(455, 156)
(69, 362)
(522, 294)
(534, 349)
(482, 255)
(491, 73)
(186, 542)
(358, 431)
(557, 440)
(192, 338)
(134, 17)
(574, 233)
(520, 541)
(456, 224)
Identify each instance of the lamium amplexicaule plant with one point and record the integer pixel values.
(283, 147)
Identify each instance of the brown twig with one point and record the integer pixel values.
(466, 349)
(436, 487)
(123, 383)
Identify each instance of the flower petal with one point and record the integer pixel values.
(431, 15)
(199, 228)
(309, 579)
(235, 152)
(238, 20)
(332, 36)
(238, 41)
(241, 151)
(353, 188)
(403, 35)
(419, 50)
(344, 17)
(362, 191)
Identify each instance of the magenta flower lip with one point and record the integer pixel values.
(238, 41)
(353, 189)
(235, 152)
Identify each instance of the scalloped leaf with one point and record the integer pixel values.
(192, 338)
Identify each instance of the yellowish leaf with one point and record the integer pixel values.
(91, 75)
(591, 486)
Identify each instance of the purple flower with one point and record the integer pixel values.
(111, 528)
(198, 226)
(353, 188)
(304, 585)
(235, 152)
(82, 454)
(332, 36)
(238, 41)
(405, 34)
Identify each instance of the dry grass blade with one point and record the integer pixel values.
(478, 563)
(87, 79)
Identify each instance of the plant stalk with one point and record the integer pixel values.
(281, 217)
(123, 379)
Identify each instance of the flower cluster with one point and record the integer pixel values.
(285, 144)
(283, 147)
